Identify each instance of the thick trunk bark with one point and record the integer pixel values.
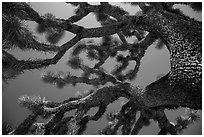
(161, 94)
(182, 86)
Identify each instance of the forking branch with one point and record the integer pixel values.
(181, 87)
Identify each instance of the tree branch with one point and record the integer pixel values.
(161, 94)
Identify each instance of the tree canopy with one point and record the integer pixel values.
(158, 23)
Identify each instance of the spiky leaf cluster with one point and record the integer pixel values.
(78, 48)
(53, 34)
(31, 102)
(76, 124)
(15, 9)
(74, 62)
(184, 122)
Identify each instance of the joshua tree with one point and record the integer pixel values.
(155, 22)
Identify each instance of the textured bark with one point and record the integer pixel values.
(182, 86)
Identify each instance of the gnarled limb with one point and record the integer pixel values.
(182, 36)
(180, 87)
(161, 94)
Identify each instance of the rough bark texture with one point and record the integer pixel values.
(183, 37)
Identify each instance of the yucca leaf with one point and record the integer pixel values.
(74, 62)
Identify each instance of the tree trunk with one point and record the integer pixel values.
(182, 86)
